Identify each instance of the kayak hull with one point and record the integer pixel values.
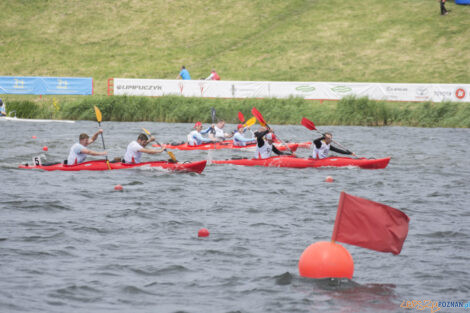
(101, 165)
(228, 144)
(293, 162)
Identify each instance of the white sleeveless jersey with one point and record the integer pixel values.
(322, 152)
(75, 154)
(264, 152)
(219, 132)
(192, 141)
(132, 153)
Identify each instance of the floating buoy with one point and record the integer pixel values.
(118, 187)
(203, 232)
(45, 148)
(329, 179)
(325, 259)
(34, 137)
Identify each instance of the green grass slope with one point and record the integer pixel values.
(299, 40)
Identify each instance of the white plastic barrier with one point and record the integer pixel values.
(306, 90)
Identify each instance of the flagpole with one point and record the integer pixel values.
(338, 216)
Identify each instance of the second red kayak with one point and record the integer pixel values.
(101, 165)
(294, 162)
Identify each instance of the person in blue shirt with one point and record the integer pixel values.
(184, 74)
(239, 139)
(2, 109)
(195, 137)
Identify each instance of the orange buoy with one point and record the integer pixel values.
(45, 148)
(329, 179)
(118, 187)
(203, 232)
(326, 259)
(34, 137)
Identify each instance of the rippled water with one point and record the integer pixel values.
(70, 243)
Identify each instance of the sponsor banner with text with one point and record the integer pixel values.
(306, 90)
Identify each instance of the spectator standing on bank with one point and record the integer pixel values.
(184, 74)
(443, 7)
(213, 76)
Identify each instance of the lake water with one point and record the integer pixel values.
(70, 243)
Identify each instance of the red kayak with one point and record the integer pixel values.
(227, 144)
(294, 162)
(100, 165)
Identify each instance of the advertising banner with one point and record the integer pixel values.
(305, 90)
(22, 85)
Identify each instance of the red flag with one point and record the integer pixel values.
(370, 224)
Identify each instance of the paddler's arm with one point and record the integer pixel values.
(276, 150)
(151, 151)
(91, 152)
(337, 150)
(317, 142)
(259, 137)
(149, 141)
(93, 138)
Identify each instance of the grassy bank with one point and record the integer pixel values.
(348, 111)
(285, 40)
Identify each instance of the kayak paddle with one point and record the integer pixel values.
(99, 119)
(241, 117)
(310, 125)
(172, 156)
(260, 118)
(213, 119)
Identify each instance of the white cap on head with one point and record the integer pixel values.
(269, 136)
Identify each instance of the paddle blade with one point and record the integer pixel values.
(258, 116)
(98, 114)
(172, 156)
(250, 122)
(308, 123)
(146, 131)
(213, 115)
(241, 117)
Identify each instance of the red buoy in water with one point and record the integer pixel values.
(325, 259)
(45, 148)
(118, 187)
(329, 179)
(34, 137)
(203, 232)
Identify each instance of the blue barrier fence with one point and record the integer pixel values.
(26, 85)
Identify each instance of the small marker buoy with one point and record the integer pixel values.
(203, 232)
(45, 148)
(118, 187)
(34, 137)
(329, 179)
(326, 259)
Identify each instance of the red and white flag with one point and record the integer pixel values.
(370, 224)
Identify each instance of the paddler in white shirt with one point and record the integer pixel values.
(265, 146)
(219, 134)
(78, 151)
(322, 147)
(137, 147)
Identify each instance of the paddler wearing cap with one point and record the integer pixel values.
(195, 137)
(265, 146)
(239, 139)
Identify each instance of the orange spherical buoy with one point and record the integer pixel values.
(45, 148)
(118, 187)
(329, 179)
(34, 137)
(326, 259)
(203, 232)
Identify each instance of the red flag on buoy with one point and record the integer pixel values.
(370, 224)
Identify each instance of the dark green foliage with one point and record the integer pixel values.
(348, 111)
